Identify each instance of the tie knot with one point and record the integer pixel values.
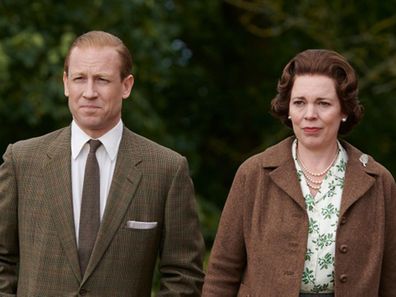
(94, 145)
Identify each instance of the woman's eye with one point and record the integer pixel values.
(324, 103)
(298, 102)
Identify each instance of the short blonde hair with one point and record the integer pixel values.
(103, 39)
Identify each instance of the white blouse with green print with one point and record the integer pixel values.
(323, 213)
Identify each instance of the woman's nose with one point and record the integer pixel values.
(310, 112)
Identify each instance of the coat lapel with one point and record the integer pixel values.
(283, 174)
(285, 177)
(358, 178)
(125, 181)
(58, 195)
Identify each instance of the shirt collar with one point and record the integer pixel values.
(110, 141)
(339, 166)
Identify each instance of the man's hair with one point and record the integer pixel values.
(320, 62)
(102, 39)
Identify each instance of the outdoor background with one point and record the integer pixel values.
(205, 73)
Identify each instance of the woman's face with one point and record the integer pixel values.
(315, 111)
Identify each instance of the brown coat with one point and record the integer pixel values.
(261, 241)
(37, 235)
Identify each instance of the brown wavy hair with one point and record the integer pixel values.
(320, 62)
(103, 39)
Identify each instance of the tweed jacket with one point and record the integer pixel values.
(38, 252)
(261, 241)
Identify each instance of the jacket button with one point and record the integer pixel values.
(343, 248)
(289, 273)
(83, 292)
(343, 278)
(343, 220)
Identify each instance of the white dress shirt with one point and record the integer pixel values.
(106, 156)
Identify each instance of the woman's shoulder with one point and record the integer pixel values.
(364, 161)
(272, 156)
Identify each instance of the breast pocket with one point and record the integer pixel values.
(133, 245)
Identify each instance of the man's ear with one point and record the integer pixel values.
(65, 86)
(127, 86)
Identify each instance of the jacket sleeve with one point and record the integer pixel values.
(8, 226)
(388, 274)
(228, 256)
(182, 247)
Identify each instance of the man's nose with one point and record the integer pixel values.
(90, 89)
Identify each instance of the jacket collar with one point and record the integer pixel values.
(359, 177)
(58, 195)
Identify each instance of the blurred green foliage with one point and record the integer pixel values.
(205, 73)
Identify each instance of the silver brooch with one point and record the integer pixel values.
(364, 159)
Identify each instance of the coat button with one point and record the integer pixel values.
(83, 292)
(343, 220)
(343, 278)
(343, 248)
(289, 273)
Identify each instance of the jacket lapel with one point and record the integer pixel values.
(283, 172)
(58, 195)
(358, 178)
(285, 177)
(125, 181)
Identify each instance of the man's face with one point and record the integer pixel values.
(95, 89)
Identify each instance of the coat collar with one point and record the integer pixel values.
(359, 176)
(58, 194)
(57, 180)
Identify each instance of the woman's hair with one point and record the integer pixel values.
(103, 39)
(320, 62)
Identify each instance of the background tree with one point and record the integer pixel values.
(205, 72)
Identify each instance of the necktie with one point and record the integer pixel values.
(90, 206)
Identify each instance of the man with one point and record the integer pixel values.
(80, 222)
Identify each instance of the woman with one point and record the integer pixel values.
(312, 215)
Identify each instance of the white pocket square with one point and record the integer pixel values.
(141, 225)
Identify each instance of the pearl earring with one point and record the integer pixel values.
(344, 119)
(289, 117)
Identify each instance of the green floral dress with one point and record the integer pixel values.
(323, 213)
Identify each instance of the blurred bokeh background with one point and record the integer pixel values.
(205, 73)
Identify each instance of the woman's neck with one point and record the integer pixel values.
(317, 160)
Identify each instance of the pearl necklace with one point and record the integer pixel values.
(305, 170)
(313, 186)
(313, 181)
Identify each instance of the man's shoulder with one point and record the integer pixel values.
(40, 142)
(148, 147)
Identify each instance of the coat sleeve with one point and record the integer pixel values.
(388, 274)
(228, 257)
(182, 247)
(8, 226)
